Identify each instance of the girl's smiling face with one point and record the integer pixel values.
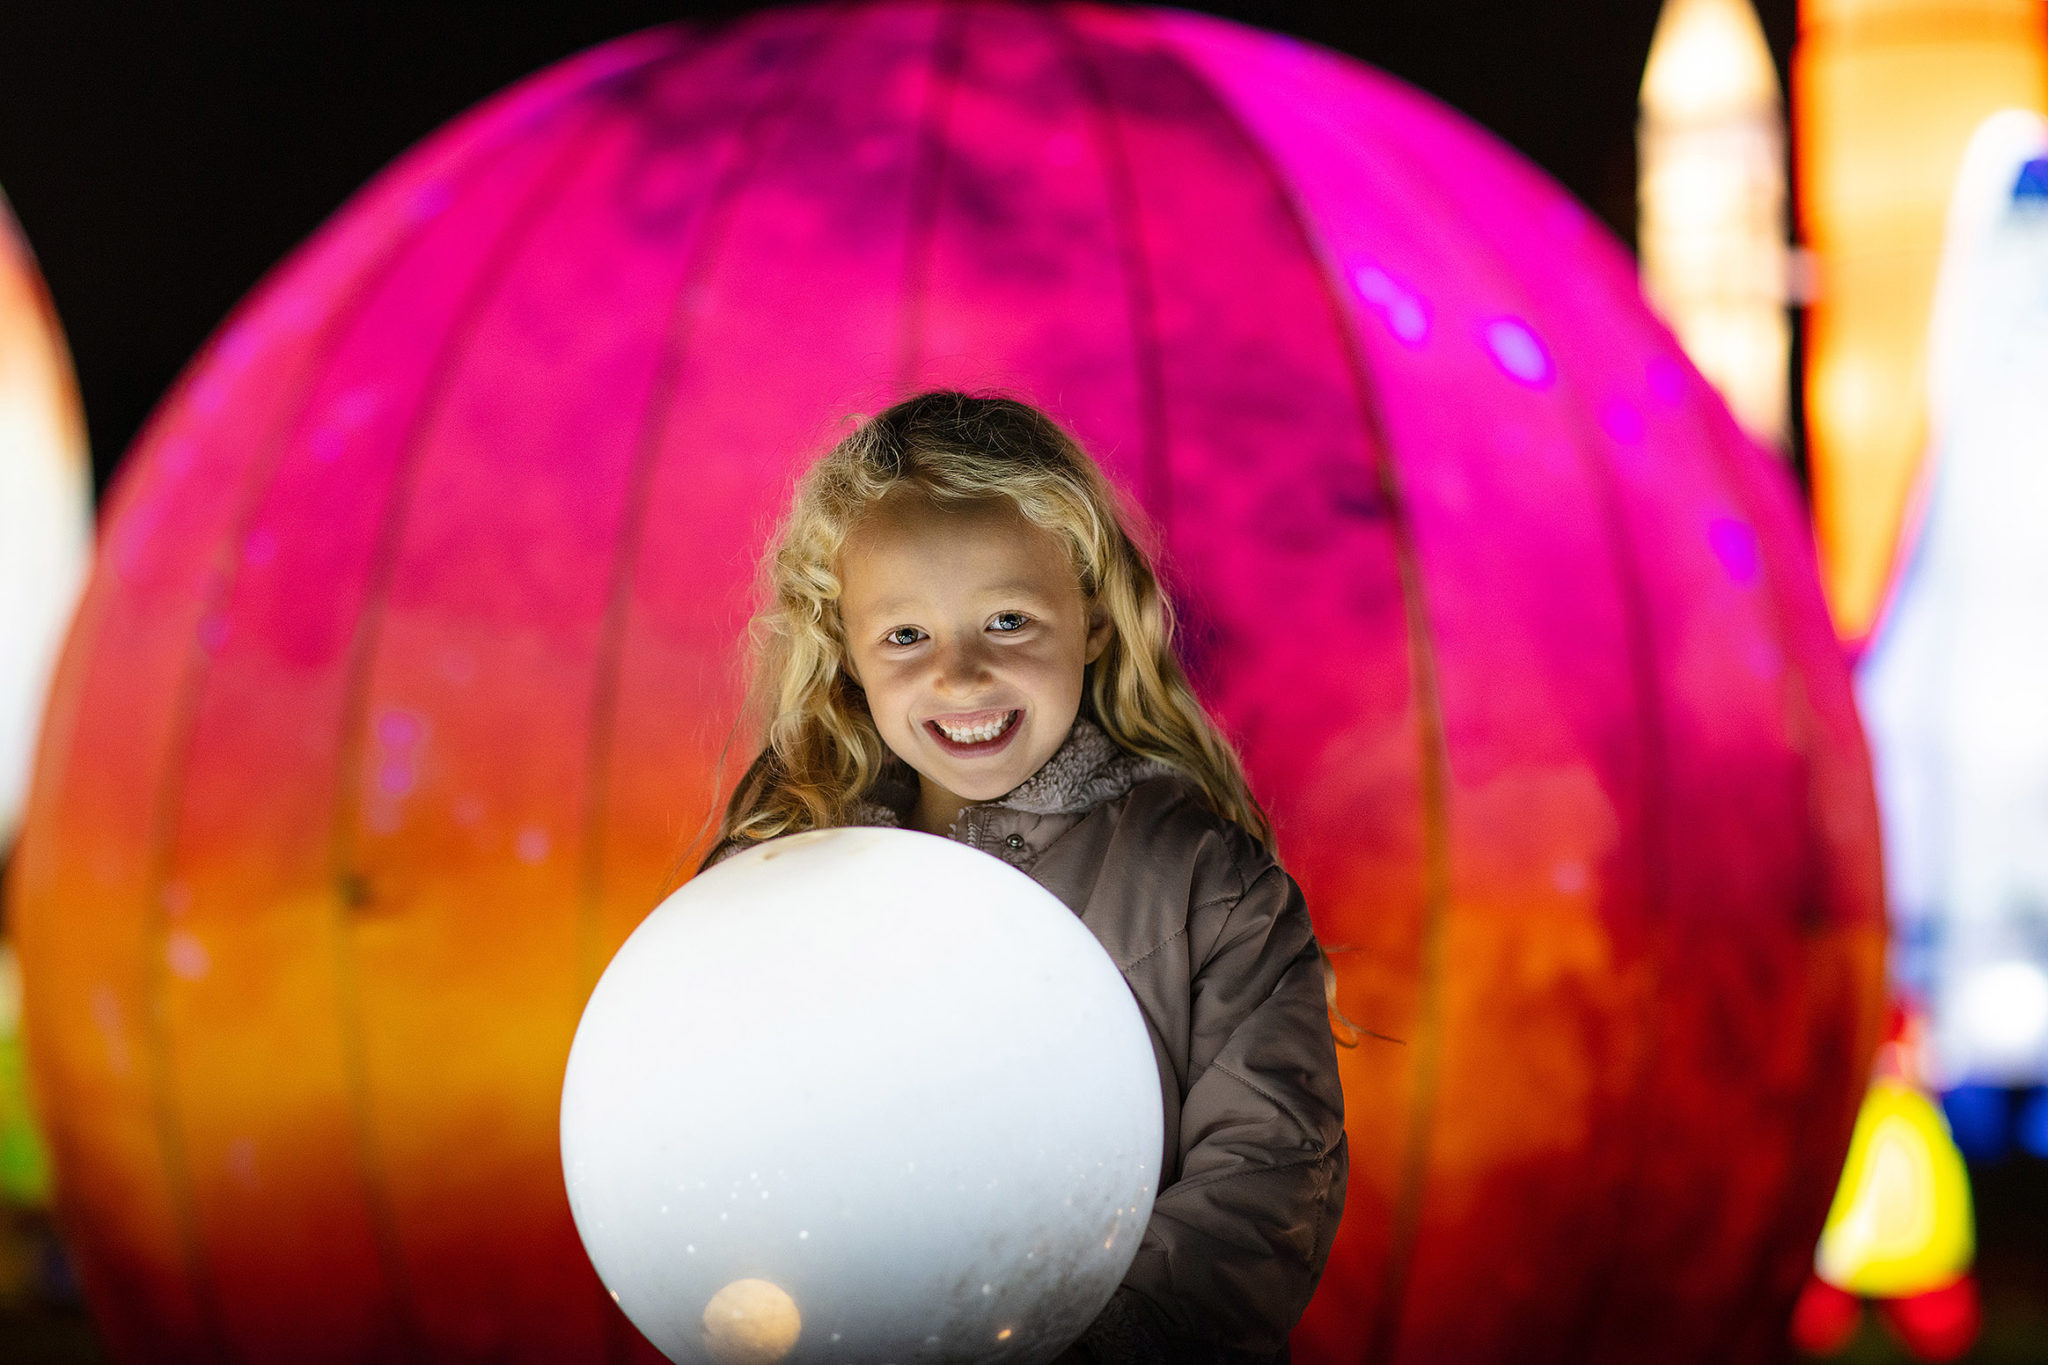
(969, 634)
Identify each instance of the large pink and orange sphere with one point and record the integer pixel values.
(411, 657)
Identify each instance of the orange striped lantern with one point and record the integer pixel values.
(1885, 96)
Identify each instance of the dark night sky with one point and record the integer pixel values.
(162, 157)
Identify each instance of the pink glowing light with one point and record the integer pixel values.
(1404, 312)
(1518, 352)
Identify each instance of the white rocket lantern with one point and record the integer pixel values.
(1954, 681)
(1711, 226)
(45, 508)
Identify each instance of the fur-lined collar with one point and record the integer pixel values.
(1087, 769)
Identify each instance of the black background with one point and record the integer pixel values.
(161, 157)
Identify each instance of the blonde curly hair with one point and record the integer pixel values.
(823, 753)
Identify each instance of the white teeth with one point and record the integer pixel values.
(979, 734)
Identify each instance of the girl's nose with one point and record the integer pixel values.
(962, 665)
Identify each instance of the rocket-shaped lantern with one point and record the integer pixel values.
(1951, 686)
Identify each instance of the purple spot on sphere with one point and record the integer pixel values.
(260, 546)
(1734, 544)
(213, 633)
(396, 777)
(400, 729)
(187, 956)
(1666, 378)
(342, 420)
(1518, 352)
(1399, 308)
(1621, 420)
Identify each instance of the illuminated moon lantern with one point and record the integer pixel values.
(888, 1082)
(409, 666)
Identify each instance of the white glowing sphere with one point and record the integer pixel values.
(861, 1095)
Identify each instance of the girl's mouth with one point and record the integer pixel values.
(985, 736)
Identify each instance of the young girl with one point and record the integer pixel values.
(963, 637)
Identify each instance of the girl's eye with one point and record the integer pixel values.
(1017, 616)
(894, 637)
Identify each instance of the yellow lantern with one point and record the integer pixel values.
(1885, 96)
(1901, 1221)
(1711, 228)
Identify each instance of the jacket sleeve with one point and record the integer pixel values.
(1237, 1243)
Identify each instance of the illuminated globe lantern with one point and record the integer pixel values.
(410, 671)
(861, 1095)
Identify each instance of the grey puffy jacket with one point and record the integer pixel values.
(1214, 939)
